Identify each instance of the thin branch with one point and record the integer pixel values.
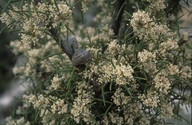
(181, 42)
(117, 16)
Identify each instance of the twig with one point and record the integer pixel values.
(181, 42)
(117, 16)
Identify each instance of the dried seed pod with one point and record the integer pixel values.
(69, 46)
(80, 57)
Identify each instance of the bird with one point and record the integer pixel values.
(71, 48)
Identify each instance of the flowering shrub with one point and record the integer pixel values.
(133, 66)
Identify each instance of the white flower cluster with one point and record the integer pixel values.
(105, 12)
(59, 13)
(84, 4)
(185, 35)
(94, 51)
(11, 16)
(131, 112)
(18, 70)
(21, 121)
(119, 97)
(59, 107)
(56, 82)
(151, 99)
(38, 56)
(41, 15)
(123, 74)
(114, 48)
(148, 60)
(5, 18)
(111, 71)
(47, 117)
(17, 47)
(56, 105)
(38, 102)
(105, 36)
(168, 45)
(173, 69)
(144, 121)
(82, 104)
(186, 72)
(49, 64)
(115, 118)
(156, 5)
(145, 27)
(146, 56)
(162, 83)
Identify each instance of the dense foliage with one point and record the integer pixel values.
(131, 65)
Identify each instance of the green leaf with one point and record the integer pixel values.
(151, 88)
(102, 100)
(136, 66)
(113, 64)
(56, 5)
(75, 4)
(129, 34)
(37, 114)
(68, 84)
(9, 2)
(70, 30)
(6, 27)
(103, 95)
(120, 10)
(110, 87)
(108, 109)
(35, 9)
(129, 92)
(140, 78)
(128, 14)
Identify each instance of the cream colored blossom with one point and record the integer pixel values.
(21, 121)
(162, 83)
(145, 56)
(120, 73)
(81, 108)
(144, 26)
(116, 119)
(150, 100)
(156, 5)
(59, 107)
(56, 82)
(186, 72)
(173, 69)
(119, 97)
(38, 102)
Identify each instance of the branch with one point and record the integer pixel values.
(117, 16)
(181, 42)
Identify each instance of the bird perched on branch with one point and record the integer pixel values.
(78, 56)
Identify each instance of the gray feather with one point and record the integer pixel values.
(80, 57)
(69, 46)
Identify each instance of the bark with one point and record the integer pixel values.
(117, 16)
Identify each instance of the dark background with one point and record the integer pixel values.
(7, 58)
